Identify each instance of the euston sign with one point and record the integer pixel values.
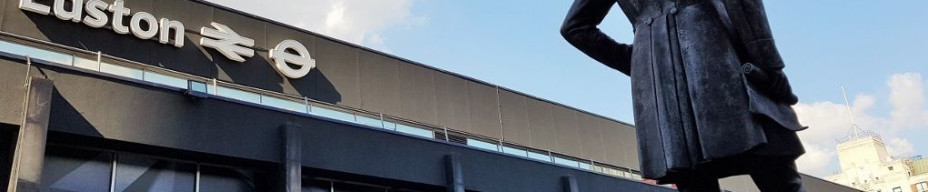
(145, 26)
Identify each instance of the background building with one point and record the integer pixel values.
(126, 106)
(867, 166)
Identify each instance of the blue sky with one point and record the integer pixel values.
(876, 49)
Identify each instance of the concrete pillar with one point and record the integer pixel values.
(291, 159)
(29, 154)
(570, 184)
(453, 173)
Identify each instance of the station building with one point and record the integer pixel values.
(178, 95)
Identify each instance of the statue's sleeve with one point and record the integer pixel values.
(580, 30)
(750, 23)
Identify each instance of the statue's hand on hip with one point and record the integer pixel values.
(772, 83)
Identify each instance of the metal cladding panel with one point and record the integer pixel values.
(336, 74)
(2, 12)
(379, 83)
(109, 108)
(244, 26)
(592, 137)
(616, 145)
(516, 127)
(192, 58)
(194, 15)
(541, 120)
(13, 81)
(302, 86)
(484, 110)
(629, 144)
(417, 93)
(453, 103)
(567, 132)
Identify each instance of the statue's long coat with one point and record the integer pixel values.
(694, 110)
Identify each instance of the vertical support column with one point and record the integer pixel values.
(453, 173)
(29, 154)
(570, 184)
(291, 160)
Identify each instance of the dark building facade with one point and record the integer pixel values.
(177, 95)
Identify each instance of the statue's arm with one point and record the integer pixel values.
(580, 30)
(749, 18)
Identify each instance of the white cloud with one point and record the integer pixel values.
(829, 121)
(357, 21)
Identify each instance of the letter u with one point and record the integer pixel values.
(74, 14)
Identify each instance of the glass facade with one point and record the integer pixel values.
(70, 169)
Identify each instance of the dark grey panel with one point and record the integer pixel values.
(516, 126)
(194, 15)
(135, 6)
(336, 76)
(541, 120)
(453, 104)
(567, 131)
(591, 136)
(2, 13)
(379, 83)
(417, 93)
(111, 109)
(12, 79)
(302, 86)
(484, 110)
(244, 26)
(27, 23)
(191, 58)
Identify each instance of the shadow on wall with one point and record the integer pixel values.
(256, 71)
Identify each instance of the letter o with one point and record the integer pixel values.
(136, 25)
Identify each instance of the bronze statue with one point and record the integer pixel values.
(710, 97)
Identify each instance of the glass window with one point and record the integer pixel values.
(921, 187)
(196, 86)
(369, 121)
(586, 166)
(67, 169)
(121, 71)
(283, 104)
(897, 189)
(565, 162)
(414, 131)
(218, 179)
(539, 156)
(514, 151)
(86, 64)
(332, 113)
(482, 144)
(36, 53)
(236, 94)
(141, 174)
(164, 79)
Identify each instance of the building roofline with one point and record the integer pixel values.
(225, 8)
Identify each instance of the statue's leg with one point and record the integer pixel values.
(699, 184)
(776, 175)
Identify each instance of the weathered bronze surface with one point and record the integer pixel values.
(707, 83)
